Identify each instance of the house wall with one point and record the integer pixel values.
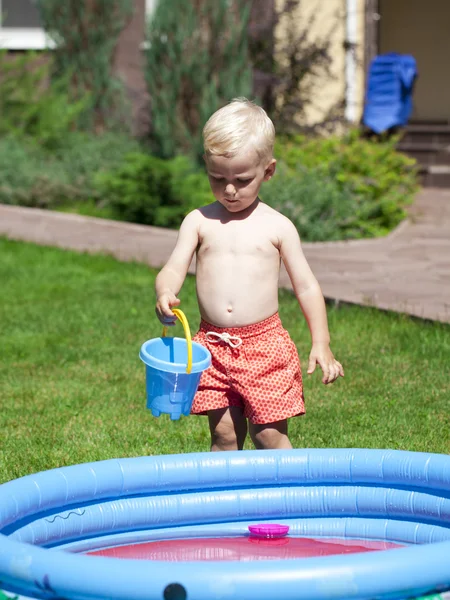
(320, 19)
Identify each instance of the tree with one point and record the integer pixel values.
(85, 33)
(196, 61)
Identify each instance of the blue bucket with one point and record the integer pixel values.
(170, 389)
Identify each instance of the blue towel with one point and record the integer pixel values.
(389, 91)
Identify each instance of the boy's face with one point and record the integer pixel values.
(235, 181)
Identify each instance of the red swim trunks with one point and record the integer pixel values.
(255, 367)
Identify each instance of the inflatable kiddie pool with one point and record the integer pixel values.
(51, 524)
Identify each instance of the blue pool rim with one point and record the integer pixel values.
(390, 495)
(161, 365)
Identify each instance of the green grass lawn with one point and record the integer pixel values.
(72, 385)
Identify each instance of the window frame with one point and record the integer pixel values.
(23, 38)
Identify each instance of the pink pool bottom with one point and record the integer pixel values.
(241, 549)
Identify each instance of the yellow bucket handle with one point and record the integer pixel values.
(187, 333)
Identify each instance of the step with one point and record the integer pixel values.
(439, 169)
(436, 181)
(426, 154)
(423, 159)
(428, 127)
(426, 133)
(442, 158)
(436, 176)
(421, 146)
(441, 139)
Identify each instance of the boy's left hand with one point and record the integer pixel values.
(321, 354)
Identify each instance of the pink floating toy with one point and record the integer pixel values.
(268, 530)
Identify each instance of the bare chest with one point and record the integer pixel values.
(238, 242)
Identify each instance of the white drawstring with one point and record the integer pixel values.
(232, 340)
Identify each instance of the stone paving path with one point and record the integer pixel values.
(407, 271)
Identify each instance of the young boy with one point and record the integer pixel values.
(239, 241)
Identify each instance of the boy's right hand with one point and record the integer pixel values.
(164, 303)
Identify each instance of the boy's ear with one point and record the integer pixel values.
(270, 170)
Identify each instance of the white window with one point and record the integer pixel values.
(20, 27)
(150, 6)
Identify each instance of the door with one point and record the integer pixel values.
(421, 28)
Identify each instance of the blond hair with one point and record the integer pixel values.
(236, 125)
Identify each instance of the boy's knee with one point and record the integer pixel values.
(224, 437)
(228, 432)
(266, 438)
(270, 436)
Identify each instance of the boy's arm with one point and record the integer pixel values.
(312, 303)
(171, 277)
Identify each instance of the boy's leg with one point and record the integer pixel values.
(271, 436)
(228, 428)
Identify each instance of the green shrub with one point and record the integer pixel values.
(153, 191)
(30, 107)
(84, 155)
(20, 165)
(107, 175)
(140, 191)
(31, 176)
(381, 180)
(320, 209)
(189, 184)
(333, 188)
